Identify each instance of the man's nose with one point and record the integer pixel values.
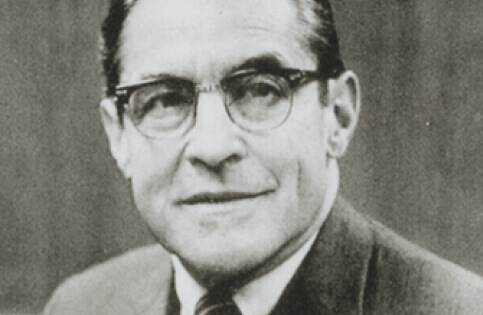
(215, 140)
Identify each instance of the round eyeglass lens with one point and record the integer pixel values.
(162, 109)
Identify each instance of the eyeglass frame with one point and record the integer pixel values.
(295, 78)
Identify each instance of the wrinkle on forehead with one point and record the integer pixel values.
(177, 15)
(303, 9)
(185, 23)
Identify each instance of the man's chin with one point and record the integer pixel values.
(224, 269)
(210, 265)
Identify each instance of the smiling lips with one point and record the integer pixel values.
(219, 197)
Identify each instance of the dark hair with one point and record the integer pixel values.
(316, 14)
(110, 42)
(322, 38)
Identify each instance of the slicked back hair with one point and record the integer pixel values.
(315, 14)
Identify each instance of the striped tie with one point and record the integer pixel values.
(216, 303)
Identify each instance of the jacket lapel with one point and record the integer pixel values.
(332, 277)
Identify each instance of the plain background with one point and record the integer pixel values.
(415, 163)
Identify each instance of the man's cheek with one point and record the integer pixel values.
(154, 206)
(278, 152)
(151, 189)
(154, 167)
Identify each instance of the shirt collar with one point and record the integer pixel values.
(187, 289)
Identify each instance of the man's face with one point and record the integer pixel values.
(262, 190)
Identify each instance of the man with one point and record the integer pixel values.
(228, 118)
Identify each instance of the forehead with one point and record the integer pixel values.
(198, 38)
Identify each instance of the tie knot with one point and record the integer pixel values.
(217, 302)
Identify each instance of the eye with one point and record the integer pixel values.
(160, 100)
(168, 99)
(262, 89)
(257, 87)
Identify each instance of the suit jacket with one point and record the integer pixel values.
(356, 266)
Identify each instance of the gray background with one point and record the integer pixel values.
(415, 163)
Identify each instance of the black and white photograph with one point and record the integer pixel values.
(241, 157)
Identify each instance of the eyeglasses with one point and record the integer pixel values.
(254, 100)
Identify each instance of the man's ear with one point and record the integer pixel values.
(344, 101)
(115, 134)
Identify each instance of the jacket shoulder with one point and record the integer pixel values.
(404, 278)
(132, 283)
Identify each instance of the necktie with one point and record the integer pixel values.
(217, 303)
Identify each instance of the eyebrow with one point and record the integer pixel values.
(264, 62)
(150, 78)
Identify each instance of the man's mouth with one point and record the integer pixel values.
(219, 197)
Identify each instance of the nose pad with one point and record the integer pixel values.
(206, 88)
(214, 140)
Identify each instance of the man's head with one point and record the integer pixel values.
(218, 183)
